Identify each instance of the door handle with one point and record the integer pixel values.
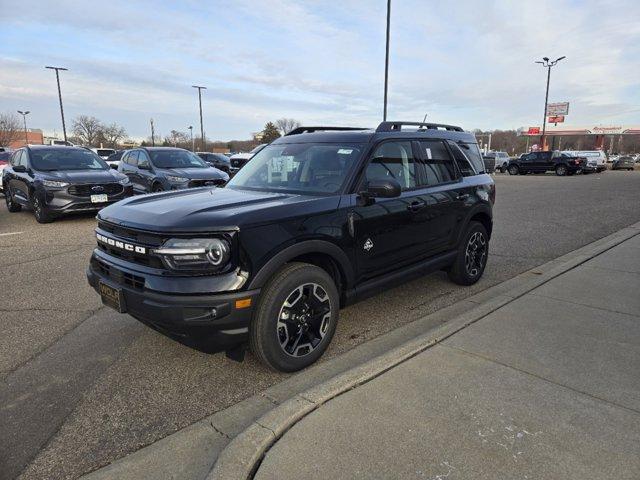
(462, 197)
(416, 205)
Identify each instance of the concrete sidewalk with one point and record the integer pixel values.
(545, 387)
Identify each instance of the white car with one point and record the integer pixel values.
(596, 159)
(104, 153)
(239, 160)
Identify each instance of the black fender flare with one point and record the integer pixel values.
(306, 247)
(482, 209)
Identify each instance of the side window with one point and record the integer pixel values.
(143, 159)
(464, 164)
(393, 160)
(132, 159)
(438, 165)
(472, 152)
(15, 160)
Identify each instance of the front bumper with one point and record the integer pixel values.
(209, 322)
(61, 201)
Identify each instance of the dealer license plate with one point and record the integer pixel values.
(99, 198)
(112, 297)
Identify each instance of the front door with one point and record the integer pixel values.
(390, 232)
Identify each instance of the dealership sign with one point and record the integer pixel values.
(555, 109)
(557, 119)
(533, 131)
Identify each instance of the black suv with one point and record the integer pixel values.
(55, 180)
(540, 162)
(216, 160)
(319, 219)
(155, 169)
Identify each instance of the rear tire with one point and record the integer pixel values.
(561, 170)
(513, 169)
(295, 318)
(472, 256)
(12, 206)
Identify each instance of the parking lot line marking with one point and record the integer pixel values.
(10, 233)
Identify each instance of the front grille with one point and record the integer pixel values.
(118, 276)
(237, 162)
(88, 189)
(206, 183)
(136, 236)
(148, 240)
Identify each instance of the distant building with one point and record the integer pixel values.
(34, 137)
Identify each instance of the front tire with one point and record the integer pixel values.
(471, 259)
(12, 206)
(513, 169)
(295, 319)
(157, 187)
(40, 211)
(561, 170)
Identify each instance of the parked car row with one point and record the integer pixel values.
(57, 180)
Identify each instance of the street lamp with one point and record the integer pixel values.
(547, 64)
(193, 145)
(57, 69)
(200, 103)
(24, 119)
(386, 62)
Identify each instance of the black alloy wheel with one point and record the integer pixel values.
(513, 169)
(40, 211)
(12, 206)
(561, 170)
(157, 187)
(473, 252)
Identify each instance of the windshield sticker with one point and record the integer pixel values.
(345, 151)
(429, 157)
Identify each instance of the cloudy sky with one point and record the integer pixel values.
(322, 62)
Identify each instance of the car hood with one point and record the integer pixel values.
(241, 156)
(209, 173)
(83, 176)
(213, 209)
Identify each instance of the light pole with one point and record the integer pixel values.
(24, 119)
(547, 64)
(200, 103)
(193, 145)
(57, 69)
(386, 62)
(425, 118)
(153, 133)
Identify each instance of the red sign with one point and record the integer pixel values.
(557, 119)
(533, 131)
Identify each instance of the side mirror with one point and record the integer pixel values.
(144, 166)
(20, 169)
(380, 189)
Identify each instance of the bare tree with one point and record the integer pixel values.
(113, 134)
(176, 138)
(285, 125)
(87, 129)
(10, 130)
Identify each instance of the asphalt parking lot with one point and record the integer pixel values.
(82, 385)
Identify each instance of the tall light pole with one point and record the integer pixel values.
(547, 64)
(193, 145)
(24, 119)
(200, 103)
(386, 62)
(57, 69)
(153, 133)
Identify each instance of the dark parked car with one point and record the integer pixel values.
(54, 180)
(541, 162)
(216, 160)
(155, 169)
(319, 219)
(624, 162)
(239, 160)
(489, 162)
(4, 162)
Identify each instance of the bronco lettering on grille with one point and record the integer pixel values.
(121, 245)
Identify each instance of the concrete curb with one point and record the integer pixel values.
(242, 456)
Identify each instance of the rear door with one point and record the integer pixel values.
(145, 171)
(20, 181)
(129, 166)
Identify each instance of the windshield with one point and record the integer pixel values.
(66, 159)
(105, 152)
(258, 148)
(299, 168)
(176, 159)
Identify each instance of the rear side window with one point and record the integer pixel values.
(466, 166)
(132, 158)
(472, 152)
(438, 165)
(393, 160)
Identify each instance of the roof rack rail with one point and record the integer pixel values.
(299, 130)
(397, 126)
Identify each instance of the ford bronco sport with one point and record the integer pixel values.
(317, 220)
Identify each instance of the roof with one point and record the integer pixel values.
(56, 147)
(386, 130)
(160, 148)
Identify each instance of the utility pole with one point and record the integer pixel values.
(153, 136)
(57, 69)
(193, 145)
(547, 64)
(386, 62)
(200, 103)
(24, 119)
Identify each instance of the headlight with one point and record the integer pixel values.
(124, 181)
(173, 179)
(195, 253)
(54, 184)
